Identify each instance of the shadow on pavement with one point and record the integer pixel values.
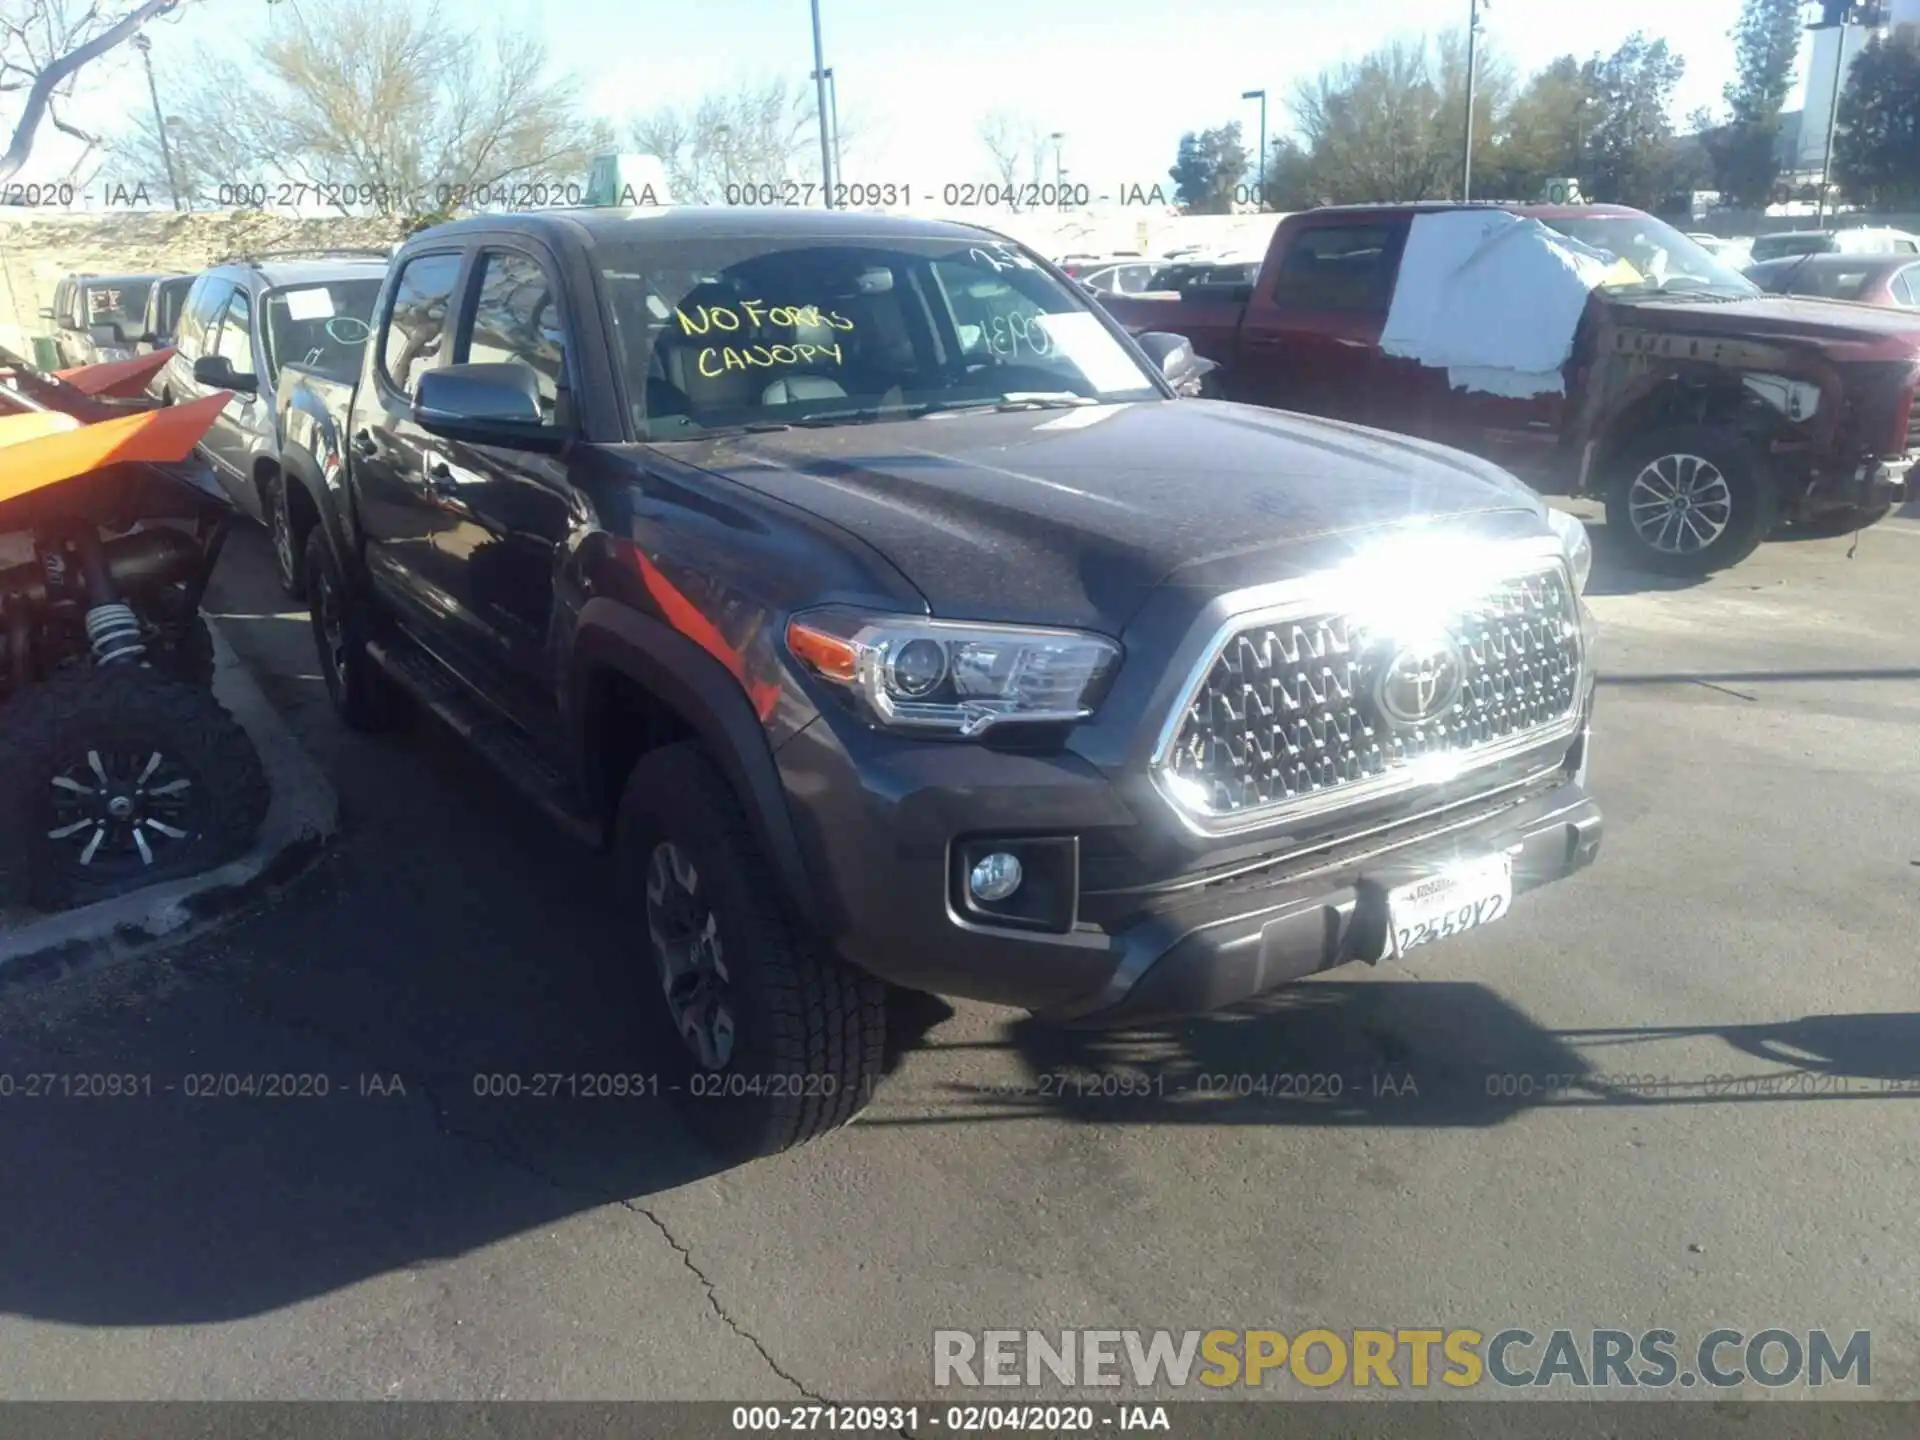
(416, 1053)
(1614, 571)
(1422, 1054)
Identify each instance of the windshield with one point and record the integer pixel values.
(1770, 247)
(713, 335)
(322, 328)
(1826, 282)
(123, 303)
(1656, 259)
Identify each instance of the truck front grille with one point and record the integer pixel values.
(1313, 710)
(1913, 425)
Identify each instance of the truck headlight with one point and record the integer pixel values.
(951, 675)
(1574, 544)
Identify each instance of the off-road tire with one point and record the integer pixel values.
(1753, 512)
(289, 563)
(121, 711)
(363, 696)
(1830, 524)
(809, 1028)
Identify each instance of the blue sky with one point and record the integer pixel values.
(1121, 78)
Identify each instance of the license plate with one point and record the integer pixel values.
(1463, 896)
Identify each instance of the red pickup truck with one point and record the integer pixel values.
(1702, 410)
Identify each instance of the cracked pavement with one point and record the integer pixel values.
(408, 1235)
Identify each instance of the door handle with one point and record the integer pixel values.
(364, 445)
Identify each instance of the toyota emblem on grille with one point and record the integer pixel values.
(1420, 683)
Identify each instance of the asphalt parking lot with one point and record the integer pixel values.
(1681, 1091)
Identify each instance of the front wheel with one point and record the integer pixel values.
(765, 1040)
(287, 559)
(121, 777)
(363, 697)
(1691, 500)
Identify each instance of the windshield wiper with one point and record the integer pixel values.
(1040, 400)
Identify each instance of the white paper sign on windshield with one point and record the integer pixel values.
(314, 303)
(1081, 338)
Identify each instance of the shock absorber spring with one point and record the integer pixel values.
(114, 632)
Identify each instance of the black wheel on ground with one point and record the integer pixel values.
(122, 777)
(1691, 499)
(287, 559)
(363, 697)
(186, 652)
(769, 1039)
(1844, 521)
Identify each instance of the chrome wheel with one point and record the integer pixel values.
(1680, 504)
(685, 936)
(279, 524)
(120, 810)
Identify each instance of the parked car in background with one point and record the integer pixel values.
(1702, 409)
(1734, 251)
(1865, 279)
(1862, 240)
(162, 318)
(241, 324)
(1127, 277)
(875, 598)
(97, 318)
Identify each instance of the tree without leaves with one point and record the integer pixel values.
(1016, 146)
(764, 134)
(44, 44)
(392, 103)
(1210, 165)
(1876, 148)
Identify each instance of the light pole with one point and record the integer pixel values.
(1059, 171)
(724, 135)
(1835, 18)
(1260, 179)
(144, 44)
(1473, 67)
(833, 109)
(820, 107)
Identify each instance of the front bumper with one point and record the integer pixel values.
(881, 821)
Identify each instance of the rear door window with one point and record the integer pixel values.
(416, 322)
(1346, 268)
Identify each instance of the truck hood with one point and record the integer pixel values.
(1073, 517)
(1841, 330)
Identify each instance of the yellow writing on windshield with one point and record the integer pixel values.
(728, 318)
(718, 359)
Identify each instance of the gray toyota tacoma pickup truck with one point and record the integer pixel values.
(889, 611)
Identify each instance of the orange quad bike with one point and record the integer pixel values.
(118, 767)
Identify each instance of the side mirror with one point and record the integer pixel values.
(46, 312)
(1175, 356)
(216, 372)
(487, 404)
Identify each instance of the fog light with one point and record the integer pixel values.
(995, 878)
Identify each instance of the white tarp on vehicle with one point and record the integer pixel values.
(1493, 299)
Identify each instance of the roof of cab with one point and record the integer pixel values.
(695, 222)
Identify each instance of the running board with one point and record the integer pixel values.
(498, 741)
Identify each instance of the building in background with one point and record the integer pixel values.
(1834, 50)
